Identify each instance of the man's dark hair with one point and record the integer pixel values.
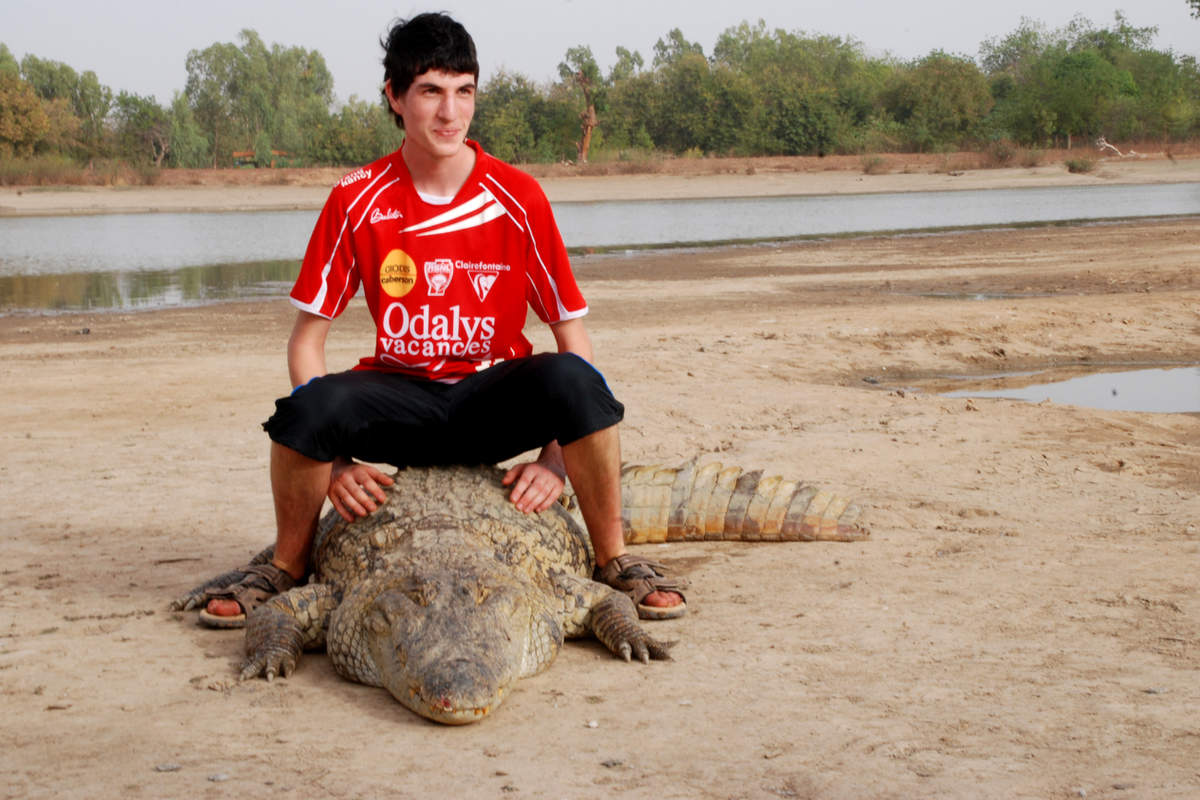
(427, 41)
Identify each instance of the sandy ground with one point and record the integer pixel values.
(252, 190)
(1023, 623)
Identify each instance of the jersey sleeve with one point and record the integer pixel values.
(551, 289)
(328, 275)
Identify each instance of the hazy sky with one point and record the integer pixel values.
(140, 46)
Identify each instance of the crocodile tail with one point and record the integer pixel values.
(711, 501)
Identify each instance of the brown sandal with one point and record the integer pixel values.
(638, 576)
(259, 584)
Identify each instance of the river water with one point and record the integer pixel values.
(127, 261)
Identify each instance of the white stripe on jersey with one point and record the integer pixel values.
(477, 202)
(562, 310)
(314, 306)
(489, 213)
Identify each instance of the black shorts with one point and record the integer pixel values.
(509, 408)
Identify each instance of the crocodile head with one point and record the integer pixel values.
(448, 643)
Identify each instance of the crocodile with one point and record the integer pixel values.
(447, 594)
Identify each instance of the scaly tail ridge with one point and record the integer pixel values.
(711, 501)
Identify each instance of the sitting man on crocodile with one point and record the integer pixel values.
(448, 245)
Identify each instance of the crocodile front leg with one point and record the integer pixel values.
(287, 624)
(611, 617)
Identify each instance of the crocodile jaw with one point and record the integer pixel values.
(446, 648)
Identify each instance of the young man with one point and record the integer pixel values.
(448, 245)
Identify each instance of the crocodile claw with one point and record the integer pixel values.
(273, 644)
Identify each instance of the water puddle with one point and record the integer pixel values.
(1167, 390)
(147, 289)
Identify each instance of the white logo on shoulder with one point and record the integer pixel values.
(483, 283)
(438, 274)
(355, 177)
(384, 216)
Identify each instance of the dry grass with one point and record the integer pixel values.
(61, 171)
(58, 171)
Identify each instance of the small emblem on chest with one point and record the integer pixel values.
(482, 282)
(438, 274)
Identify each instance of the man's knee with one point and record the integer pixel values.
(569, 378)
(578, 395)
(319, 403)
(312, 419)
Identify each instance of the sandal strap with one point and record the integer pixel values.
(638, 576)
(259, 583)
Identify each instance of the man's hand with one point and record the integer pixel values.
(355, 489)
(536, 486)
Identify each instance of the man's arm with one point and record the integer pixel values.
(306, 360)
(537, 484)
(306, 348)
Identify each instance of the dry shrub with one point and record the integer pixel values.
(1080, 165)
(875, 165)
(53, 170)
(1001, 152)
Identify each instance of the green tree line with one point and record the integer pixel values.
(761, 91)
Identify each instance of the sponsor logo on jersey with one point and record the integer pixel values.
(397, 274)
(483, 284)
(355, 177)
(438, 274)
(420, 333)
(384, 216)
(483, 275)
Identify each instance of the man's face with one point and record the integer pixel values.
(437, 110)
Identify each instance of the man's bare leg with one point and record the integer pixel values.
(594, 466)
(298, 485)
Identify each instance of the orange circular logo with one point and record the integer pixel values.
(397, 274)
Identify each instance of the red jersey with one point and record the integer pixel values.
(447, 285)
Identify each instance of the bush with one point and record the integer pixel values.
(52, 170)
(1079, 165)
(1001, 152)
(875, 165)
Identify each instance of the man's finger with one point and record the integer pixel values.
(373, 490)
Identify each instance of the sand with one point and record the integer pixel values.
(1023, 623)
(251, 190)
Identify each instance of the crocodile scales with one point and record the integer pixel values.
(447, 594)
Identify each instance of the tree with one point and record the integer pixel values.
(211, 86)
(1195, 4)
(50, 79)
(580, 68)
(91, 102)
(628, 65)
(23, 120)
(251, 97)
(189, 145)
(8, 62)
(1085, 86)
(143, 129)
(88, 100)
(673, 48)
(506, 112)
(685, 106)
(358, 133)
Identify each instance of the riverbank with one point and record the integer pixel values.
(1023, 623)
(244, 190)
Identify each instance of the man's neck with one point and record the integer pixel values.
(439, 176)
